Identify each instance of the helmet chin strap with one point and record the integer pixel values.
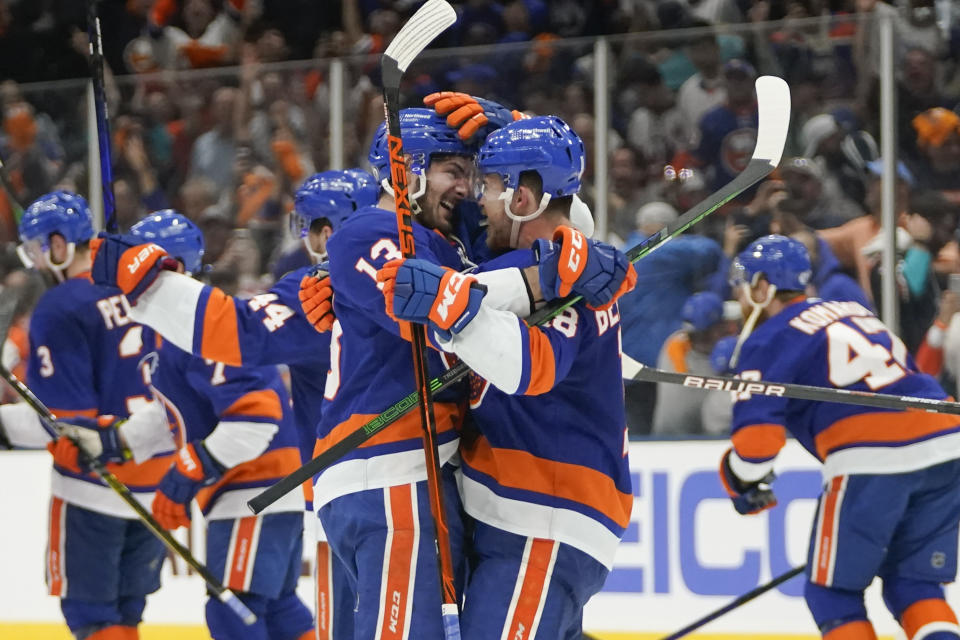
(415, 196)
(314, 256)
(756, 308)
(507, 196)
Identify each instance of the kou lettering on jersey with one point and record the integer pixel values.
(824, 314)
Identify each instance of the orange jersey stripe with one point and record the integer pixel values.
(55, 547)
(677, 349)
(324, 603)
(824, 557)
(401, 545)
(259, 404)
(449, 416)
(272, 464)
(543, 365)
(220, 340)
(923, 612)
(536, 582)
(857, 630)
(146, 474)
(887, 427)
(63, 414)
(522, 470)
(243, 553)
(759, 441)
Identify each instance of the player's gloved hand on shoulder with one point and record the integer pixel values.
(193, 469)
(99, 438)
(420, 291)
(468, 114)
(747, 497)
(592, 269)
(316, 297)
(127, 263)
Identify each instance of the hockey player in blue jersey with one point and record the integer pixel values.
(271, 328)
(545, 475)
(234, 431)
(890, 506)
(85, 353)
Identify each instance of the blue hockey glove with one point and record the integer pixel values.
(594, 270)
(193, 469)
(468, 114)
(127, 263)
(747, 497)
(420, 291)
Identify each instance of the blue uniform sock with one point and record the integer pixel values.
(833, 607)
(288, 618)
(224, 624)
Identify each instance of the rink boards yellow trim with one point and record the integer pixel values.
(32, 631)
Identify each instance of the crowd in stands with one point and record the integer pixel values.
(220, 108)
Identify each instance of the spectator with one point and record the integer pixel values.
(652, 311)
(728, 132)
(828, 281)
(929, 224)
(938, 143)
(201, 37)
(843, 156)
(214, 151)
(655, 125)
(196, 196)
(819, 203)
(680, 410)
(649, 219)
(627, 190)
(705, 89)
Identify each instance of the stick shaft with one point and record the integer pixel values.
(398, 174)
(103, 118)
(49, 422)
(742, 600)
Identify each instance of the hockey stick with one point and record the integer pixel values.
(637, 371)
(103, 119)
(425, 25)
(773, 99)
(745, 598)
(49, 423)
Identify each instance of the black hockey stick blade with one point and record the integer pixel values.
(742, 600)
(773, 104)
(427, 23)
(633, 370)
(773, 97)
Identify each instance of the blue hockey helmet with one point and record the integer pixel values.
(545, 144)
(60, 212)
(702, 310)
(333, 195)
(782, 261)
(424, 133)
(177, 234)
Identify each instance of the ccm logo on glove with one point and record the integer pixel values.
(454, 282)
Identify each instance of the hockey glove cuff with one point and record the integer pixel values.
(748, 497)
(128, 264)
(98, 438)
(316, 298)
(571, 262)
